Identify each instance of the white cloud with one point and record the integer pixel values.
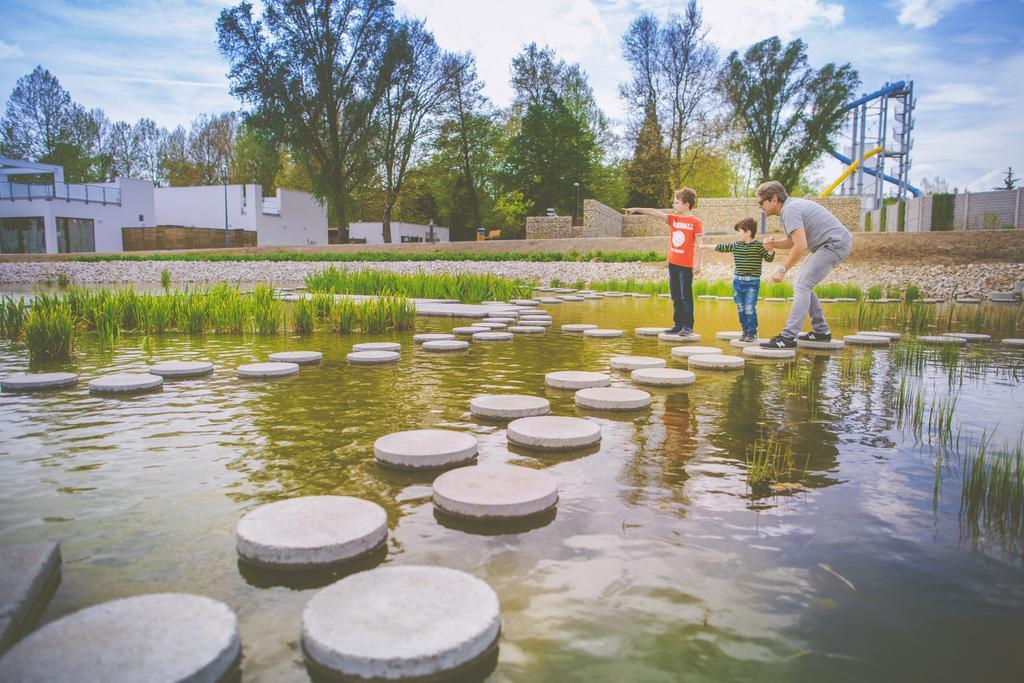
(925, 13)
(9, 51)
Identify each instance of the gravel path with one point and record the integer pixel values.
(933, 280)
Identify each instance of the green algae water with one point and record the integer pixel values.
(869, 560)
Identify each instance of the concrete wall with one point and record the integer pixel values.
(600, 220)
(302, 219)
(373, 232)
(919, 214)
(988, 210)
(892, 218)
(558, 227)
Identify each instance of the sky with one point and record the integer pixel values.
(159, 58)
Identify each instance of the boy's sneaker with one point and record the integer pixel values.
(779, 342)
(684, 331)
(815, 336)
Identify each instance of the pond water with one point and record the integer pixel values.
(659, 564)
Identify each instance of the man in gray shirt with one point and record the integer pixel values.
(810, 228)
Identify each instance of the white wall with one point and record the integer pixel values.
(302, 220)
(373, 233)
(202, 207)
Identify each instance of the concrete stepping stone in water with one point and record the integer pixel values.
(612, 398)
(687, 351)
(525, 302)
(553, 432)
(761, 353)
(38, 380)
(968, 300)
(125, 382)
(834, 345)
(1013, 342)
(598, 333)
(492, 336)
(445, 346)
(649, 331)
(261, 370)
(892, 336)
(866, 340)
(740, 344)
(576, 379)
(373, 357)
(399, 622)
(636, 362)
(311, 532)
(933, 301)
(591, 296)
(536, 322)
(526, 329)
(156, 637)
(495, 492)
(706, 297)
(578, 327)
(1002, 297)
(29, 574)
(535, 316)
(425, 449)
(970, 337)
(689, 339)
(638, 295)
(298, 357)
(728, 336)
(932, 339)
(549, 300)
(421, 338)
(572, 297)
(775, 299)
(709, 361)
(491, 326)
(503, 321)
(845, 300)
(508, 406)
(663, 377)
(377, 346)
(181, 368)
(614, 295)
(472, 329)
(664, 296)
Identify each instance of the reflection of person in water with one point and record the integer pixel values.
(809, 427)
(658, 470)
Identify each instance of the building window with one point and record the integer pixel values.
(411, 238)
(75, 235)
(22, 236)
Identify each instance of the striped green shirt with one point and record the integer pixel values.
(748, 256)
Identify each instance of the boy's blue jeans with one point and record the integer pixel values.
(680, 286)
(744, 293)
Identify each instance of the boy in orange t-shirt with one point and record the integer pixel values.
(684, 255)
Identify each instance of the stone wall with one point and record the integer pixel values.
(600, 220)
(557, 227)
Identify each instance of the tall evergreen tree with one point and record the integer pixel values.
(649, 171)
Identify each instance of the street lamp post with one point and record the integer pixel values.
(225, 205)
(577, 200)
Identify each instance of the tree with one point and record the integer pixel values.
(788, 113)
(413, 89)
(313, 71)
(255, 158)
(648, 172)
(936, 185)
(534, 71)
(641, 48)
(1009, 181)
(203, 154)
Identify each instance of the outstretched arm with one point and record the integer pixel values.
(654, 213)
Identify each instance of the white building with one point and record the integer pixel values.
(373, 233)
(290, 218)
(59, 217)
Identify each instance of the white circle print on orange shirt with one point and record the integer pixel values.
(678, 238)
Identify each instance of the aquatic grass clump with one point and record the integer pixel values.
(50, 332)
(165, 279)
(768, 462)
(776, 289)
(303, 316)
(991, 493)
(910, 357)
(12, 317)
(466, 287)
(838, 290)
(629, 285)
(344, 316)
(267, 311)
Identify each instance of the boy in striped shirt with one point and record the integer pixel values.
(746, 284)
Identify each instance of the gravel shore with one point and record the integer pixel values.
(933, 280)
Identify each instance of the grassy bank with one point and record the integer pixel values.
(383, 256)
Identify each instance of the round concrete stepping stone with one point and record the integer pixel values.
(637, 295)
(740, 344)
(663, 377)
(834, 345)
(614, 295)
(1013, 342)
(425, 448)
(535, 318)
(706, 297)
(400, 622)
(664, 296)
(866, 340)
(526, 329)
(377, 346)
(728, 336)
(592, 296)
(373, 357)
(968, 300)
(687, 351)
(576, 379)
(38, 380)
(299, 357)
(612, 398)
(970, 336)
(495, 492)
(553, 432)
(845, 300)
(468, 330)
(828, 300)
(257, 370)
(932, 339)
(578, 327)
(525, 302)
(311, 532)
(491, 326)
(156, 637)
(492, 336)
(762, 353)
(124, 382)
(445, 345)
(181, 368)
(423, 338)
(724, 298)
(708, 361)
(775, 299)
(892, 336)
(598, 333)
(572, 297)
(549, 300)
(509, 406)
(1002, 297)
(933, 301)
(535, 322)
(689, 339)
(649, 331)
(636, 362)
(503, 321)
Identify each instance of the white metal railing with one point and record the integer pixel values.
(89, 194)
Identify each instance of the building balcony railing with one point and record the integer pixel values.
(90, 194)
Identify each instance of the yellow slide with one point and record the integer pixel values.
(846, 174)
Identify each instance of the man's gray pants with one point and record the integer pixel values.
(814, 269)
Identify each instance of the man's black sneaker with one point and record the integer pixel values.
(815, 336)
(673, 330)
(779, 342)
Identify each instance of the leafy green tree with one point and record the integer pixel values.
(255, 158)
(511, 210)
(313, 71)
(1009, 181)
(788, 112)
(648, 172)
(203, 154)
